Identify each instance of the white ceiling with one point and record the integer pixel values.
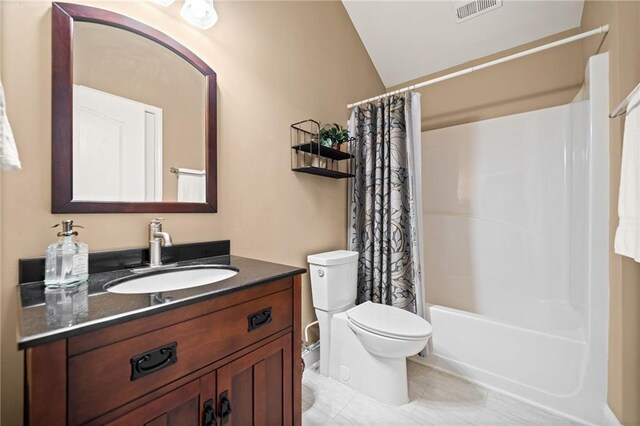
(410, 39)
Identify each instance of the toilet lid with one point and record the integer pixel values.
(389, 321)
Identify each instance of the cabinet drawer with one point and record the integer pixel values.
(105, 378)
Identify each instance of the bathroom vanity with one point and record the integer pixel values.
(226, 353)
(216, 341)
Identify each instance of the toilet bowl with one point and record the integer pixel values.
(364, 346)
(387, 331)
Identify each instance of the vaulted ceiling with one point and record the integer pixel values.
(410, 39)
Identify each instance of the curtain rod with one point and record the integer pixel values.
(599, 30)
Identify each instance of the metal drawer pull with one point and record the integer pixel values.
(258, 319)
(152, 361)
(209, 413)
(225, 407)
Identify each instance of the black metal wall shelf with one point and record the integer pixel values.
(309, 156)
(323, 151)
(321, 171)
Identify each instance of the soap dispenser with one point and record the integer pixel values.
(67, 261)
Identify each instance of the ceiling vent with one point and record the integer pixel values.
(466, 10)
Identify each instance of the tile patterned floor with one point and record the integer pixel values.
(436, 398)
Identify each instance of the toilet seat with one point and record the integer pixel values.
(389, 321)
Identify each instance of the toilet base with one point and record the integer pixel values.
(383, 379)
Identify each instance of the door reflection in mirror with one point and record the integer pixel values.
(117, 148)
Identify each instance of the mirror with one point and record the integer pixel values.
(134, 118)
(138, 112)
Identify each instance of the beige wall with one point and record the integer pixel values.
(125, 64)
(277, 63)
(623, 45)
(549, 78)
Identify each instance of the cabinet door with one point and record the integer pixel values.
(256, 389)
(180, 407)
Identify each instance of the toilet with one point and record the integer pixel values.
(364, 347)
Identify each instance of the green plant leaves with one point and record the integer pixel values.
(333, 134)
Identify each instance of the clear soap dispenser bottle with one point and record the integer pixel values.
(67, 261)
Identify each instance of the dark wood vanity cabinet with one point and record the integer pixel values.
(229, 360)
(180, 406)
(258, 385)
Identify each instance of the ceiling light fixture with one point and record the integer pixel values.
(199, 13)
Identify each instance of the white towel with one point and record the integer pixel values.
(627, 242)
(191, 185)
(8, 152)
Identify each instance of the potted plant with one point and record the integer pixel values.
(333, 135)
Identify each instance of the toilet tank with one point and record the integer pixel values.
(334, 277)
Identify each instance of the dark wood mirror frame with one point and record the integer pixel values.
(63, 17)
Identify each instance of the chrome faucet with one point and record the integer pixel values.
(157, 239)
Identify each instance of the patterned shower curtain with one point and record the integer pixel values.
(385, 212)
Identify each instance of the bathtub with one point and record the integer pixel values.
(541, 368)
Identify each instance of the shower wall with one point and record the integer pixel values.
(515, 214)
(501, 229)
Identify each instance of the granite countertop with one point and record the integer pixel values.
(36, 326)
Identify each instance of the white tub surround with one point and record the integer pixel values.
(516, 250)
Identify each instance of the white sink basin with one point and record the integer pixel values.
(174, 279)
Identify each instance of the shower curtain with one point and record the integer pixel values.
(385, 207)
